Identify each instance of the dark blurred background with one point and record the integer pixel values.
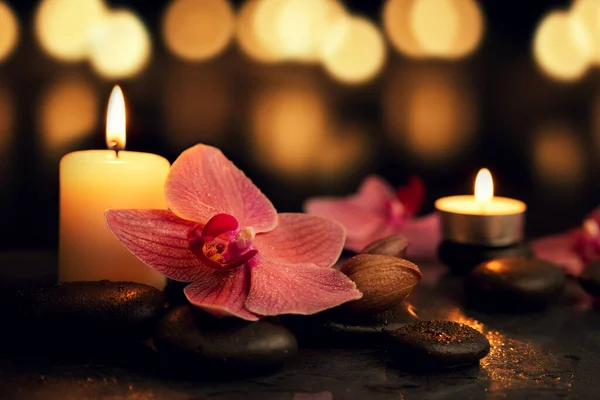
(300, 129)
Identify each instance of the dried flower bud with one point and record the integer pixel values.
(394, 245)
(385, 281)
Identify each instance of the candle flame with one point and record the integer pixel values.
(116, 120)
(484, 186)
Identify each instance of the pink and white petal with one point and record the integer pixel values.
(424, 237)
(374, 193)
(303, 238)
(222, 293)
(360, 223)
(203, 182)
(277, 288)
(159, 239)
(558, 249)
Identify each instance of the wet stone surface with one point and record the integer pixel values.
(344, 323)
(428, 345)
(202, 344)
(549, 354)
(78, 313)
(463, 258)
(514, 284)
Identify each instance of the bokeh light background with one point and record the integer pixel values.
(309, 96)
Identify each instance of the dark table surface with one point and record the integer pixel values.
(549, 354)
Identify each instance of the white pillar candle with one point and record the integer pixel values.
(90, 183)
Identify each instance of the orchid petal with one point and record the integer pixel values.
(360, 223)
(364, 214)
(159, 239)
(559, 250)
(424, 237)
(203, 182)
(222, 293)
(302, 238)
(373, 194)
(412, 195)
(278, 288)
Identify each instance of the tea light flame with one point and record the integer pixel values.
(116, 120)
(484, 187)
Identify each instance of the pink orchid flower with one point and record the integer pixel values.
(377, 211)
(225, 237)
(574, 249)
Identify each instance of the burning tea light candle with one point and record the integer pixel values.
(93, 181)
(482, 219)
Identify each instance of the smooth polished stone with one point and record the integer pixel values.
(514, 284)
(80, 312)
(462, 258)
(189, 337)
(435, 344)
(343, 322)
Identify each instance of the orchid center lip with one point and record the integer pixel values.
(221, 244)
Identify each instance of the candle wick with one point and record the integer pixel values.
(114, 145)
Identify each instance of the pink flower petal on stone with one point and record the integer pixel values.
(159, 239)
(424, 237)
(203, 182)
(302, 238)
(558, 249)
(279, 288)
(222, 293)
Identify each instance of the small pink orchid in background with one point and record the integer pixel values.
(377, 211)
(226, 238)
(574, 249)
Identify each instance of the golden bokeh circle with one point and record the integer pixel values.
(589, 13)
(562, 46)
(354, 51)
(68, 112)
(198, 29)
(396, 22)
(246, 36)
(435, 25)
(9, 31)
(264, 25)
(120, 45)
(471, 29)
(62, 27)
